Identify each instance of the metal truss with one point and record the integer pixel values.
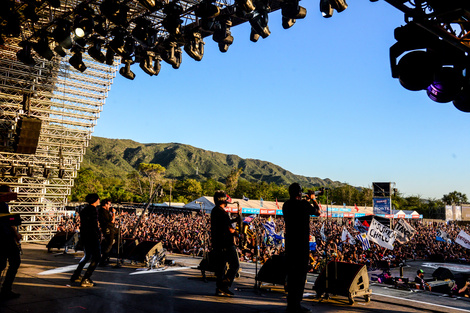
(447, 20)
(68, 103)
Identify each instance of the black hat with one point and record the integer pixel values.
(220, 197)
(91, 198)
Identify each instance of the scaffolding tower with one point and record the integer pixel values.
(58, 106)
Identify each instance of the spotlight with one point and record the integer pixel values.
(77, 62)
(42, 48)
(109, 56)
(254, 36)
(172, 54)
(146, 63)
(195, 46)
(24, 55)
(222, 34)
(172, 21)
(292, 10)
(415, 70)
(95, 50)
(30, 171)
(326, 9)
(115, 12)
(144, 32)
(462, 100)
(245, 6)
(61, 33)
(287, 22)
(60, 51)
(118, 42)
(126, 70)
(100, 26)
(259, 22)
(46, 172)
(207, 10)
(156, 64)
(339, 5)
(151, 5)
(447, 83)
(84, 23)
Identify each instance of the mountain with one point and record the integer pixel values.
(118, 157)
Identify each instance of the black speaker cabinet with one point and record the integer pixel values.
(142, 250)
(27, 136)
(344, 279)
(274, 270)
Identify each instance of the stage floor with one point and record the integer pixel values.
(43, 281)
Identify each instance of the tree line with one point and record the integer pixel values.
(139, 184)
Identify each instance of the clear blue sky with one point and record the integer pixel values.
(317, 99)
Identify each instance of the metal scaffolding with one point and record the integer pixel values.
(68, 104)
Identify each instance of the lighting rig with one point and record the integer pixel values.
(432, 50)
(136, 31)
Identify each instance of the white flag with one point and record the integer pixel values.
(404, 231)
(346, 236)
(322, 232)
(381, 234)
(463, 239)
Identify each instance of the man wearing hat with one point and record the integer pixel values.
(420, 282)
(90, 236)
(223, 245)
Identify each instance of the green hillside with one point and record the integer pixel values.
(118, 157)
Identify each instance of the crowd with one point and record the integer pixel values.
(189, 233)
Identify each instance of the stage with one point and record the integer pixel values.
(43, 281)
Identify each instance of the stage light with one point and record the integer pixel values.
(151, 5)
(115, 12)
(157, 65)
(29, 12)
(195, 46)
(326, 9)
(222, 34)
(144, 32)
(77, 62)
(30, 171)
(259, 22)
(126, 70)
(118, 42)
(293, 10)
(339, 5)
(42, 48)
(95, 50)
(61, 33)
(14, 170)
(287, 22)
(46, 172)
(172, 54)
(254, 36)
(24, 55)
(146, 63)
(84, 23)
(447, 83)
(415, 70)
(60, 51)
(100, 25)
(207, 10)
(245, 6)
(109, 56)
(172, 21)
(61, 174)
(462, 100)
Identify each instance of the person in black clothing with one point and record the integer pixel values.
(420, 282)
(223, 245)
(106, 219)
(9, 248)
(297, 214)
(90, 235)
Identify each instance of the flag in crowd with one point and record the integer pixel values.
(277, 204)
(404, 231)
(381, 234)
(245, 198)
(356, 208)
(362, 237)
(312, 243)
(346, 237)
(261, 202)
(229, 199)
(322, 232)
(270, 226)
(359, 227)
(442, 236)
(248, 219)
(463, 239)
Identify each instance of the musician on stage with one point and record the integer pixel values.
(9, 248)
(297, 212)
(223, 245)
(106, 217)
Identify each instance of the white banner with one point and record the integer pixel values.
(381, 234)
(463, 239)
(346, 237)
(404, 231)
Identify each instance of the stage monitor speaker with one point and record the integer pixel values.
(344, 279)
(442, 273)
(27, 135)
(142, 250)
(274, 270)
(381, 189)
(61, 240)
